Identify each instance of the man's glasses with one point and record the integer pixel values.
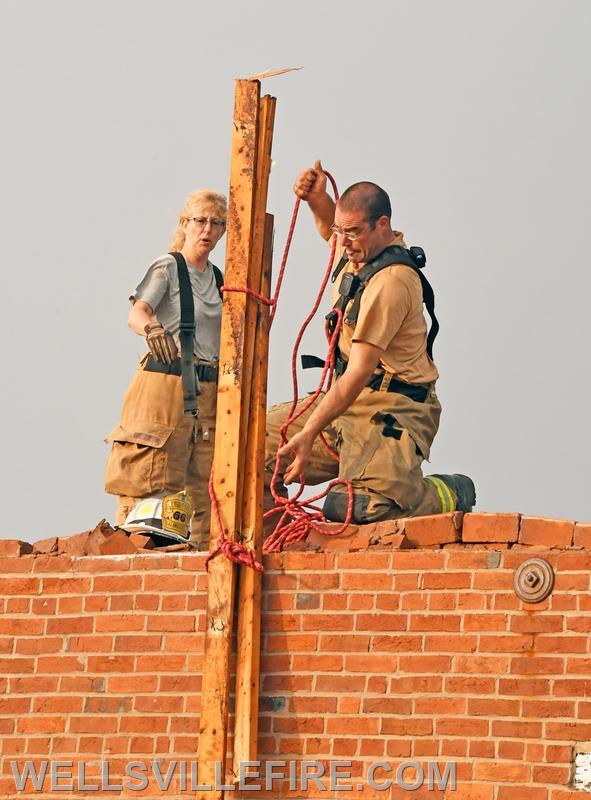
(352, 234)
(216, 224)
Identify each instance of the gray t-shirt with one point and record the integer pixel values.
(160, 289)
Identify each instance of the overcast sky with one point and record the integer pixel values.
(473, 115)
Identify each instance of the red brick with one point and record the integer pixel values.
(381, 622)
(291, 642)
(537, 623)
(482, 664)
(396, 643)
(537, 666)
(379, 582)
(327, 622)
(582, 535)
(462, 726)
(407, 726)
(444, 643)
(389, 705)
(46, 545)
(75, 545)
(416, 684)
(340, 683)
(546, 532)
(114, 544)
(485, 622)
(549, 708)
(418, 560)
(122, 622)
(516, 730)
(431, 530)
(370, 663)
(354, 537)
(52, 563)
(27, 586)
(479, 707)
(13, 548)
(141, 542)
(522, 793)
(434, 622)
(569, 731)
(427, 664)
(465, 685)
(32, 646)
(379, 562)
(41, 724)
(308, 561)
(344, 643)
(485, 527)
(128, 582)
(317, 663)
(524, 687)
(447, 580)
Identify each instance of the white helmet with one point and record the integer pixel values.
(169, 518)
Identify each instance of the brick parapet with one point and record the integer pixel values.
(425, 654)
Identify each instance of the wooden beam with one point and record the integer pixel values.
(229, 447)
(249, 584)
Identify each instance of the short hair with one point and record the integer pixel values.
(367, 197)
(194, 199)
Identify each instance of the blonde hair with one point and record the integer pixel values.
(195, 199)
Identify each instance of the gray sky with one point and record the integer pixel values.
(473, 115)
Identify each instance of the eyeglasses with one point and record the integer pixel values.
(353, 234)
(216, 224)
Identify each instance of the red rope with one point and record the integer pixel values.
(295, 522)
(251, 292)
(234, 551)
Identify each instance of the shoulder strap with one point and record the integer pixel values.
(398, 255)
(339, 268)
(187, 335)
(219, 278)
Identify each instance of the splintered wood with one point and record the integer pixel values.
(239, 446)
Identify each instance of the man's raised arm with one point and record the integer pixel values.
(310, 185)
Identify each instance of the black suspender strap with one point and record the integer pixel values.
(414, 258)
(187, 335)
(219, 278)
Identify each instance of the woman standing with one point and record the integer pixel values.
(157, 449)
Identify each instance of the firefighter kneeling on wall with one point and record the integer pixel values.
(381, 414)
(165, 437)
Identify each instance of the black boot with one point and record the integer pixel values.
(463, 488)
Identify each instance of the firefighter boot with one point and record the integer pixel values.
(461, 486)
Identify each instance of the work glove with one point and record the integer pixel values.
(160, 342)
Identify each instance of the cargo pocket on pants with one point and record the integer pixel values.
(137, 462)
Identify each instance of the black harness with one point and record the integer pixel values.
(190, 381)
(353, 285)
(351, 288)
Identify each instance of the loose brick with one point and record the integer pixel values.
(485, 527)
(547, 532)
(13, 548)
(431, 530)
(49, 545)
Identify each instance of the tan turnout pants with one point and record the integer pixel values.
(382, 440)
(157, 451)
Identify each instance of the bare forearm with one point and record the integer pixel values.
(323, 208)
(140, 315)
(335, 402)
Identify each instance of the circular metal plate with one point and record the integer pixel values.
(534, 580)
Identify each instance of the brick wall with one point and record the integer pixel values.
(423, 655)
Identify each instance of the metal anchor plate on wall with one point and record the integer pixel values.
(534, 580)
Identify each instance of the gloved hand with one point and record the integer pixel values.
(162, 345)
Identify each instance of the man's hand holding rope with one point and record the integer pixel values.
(363, 360)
